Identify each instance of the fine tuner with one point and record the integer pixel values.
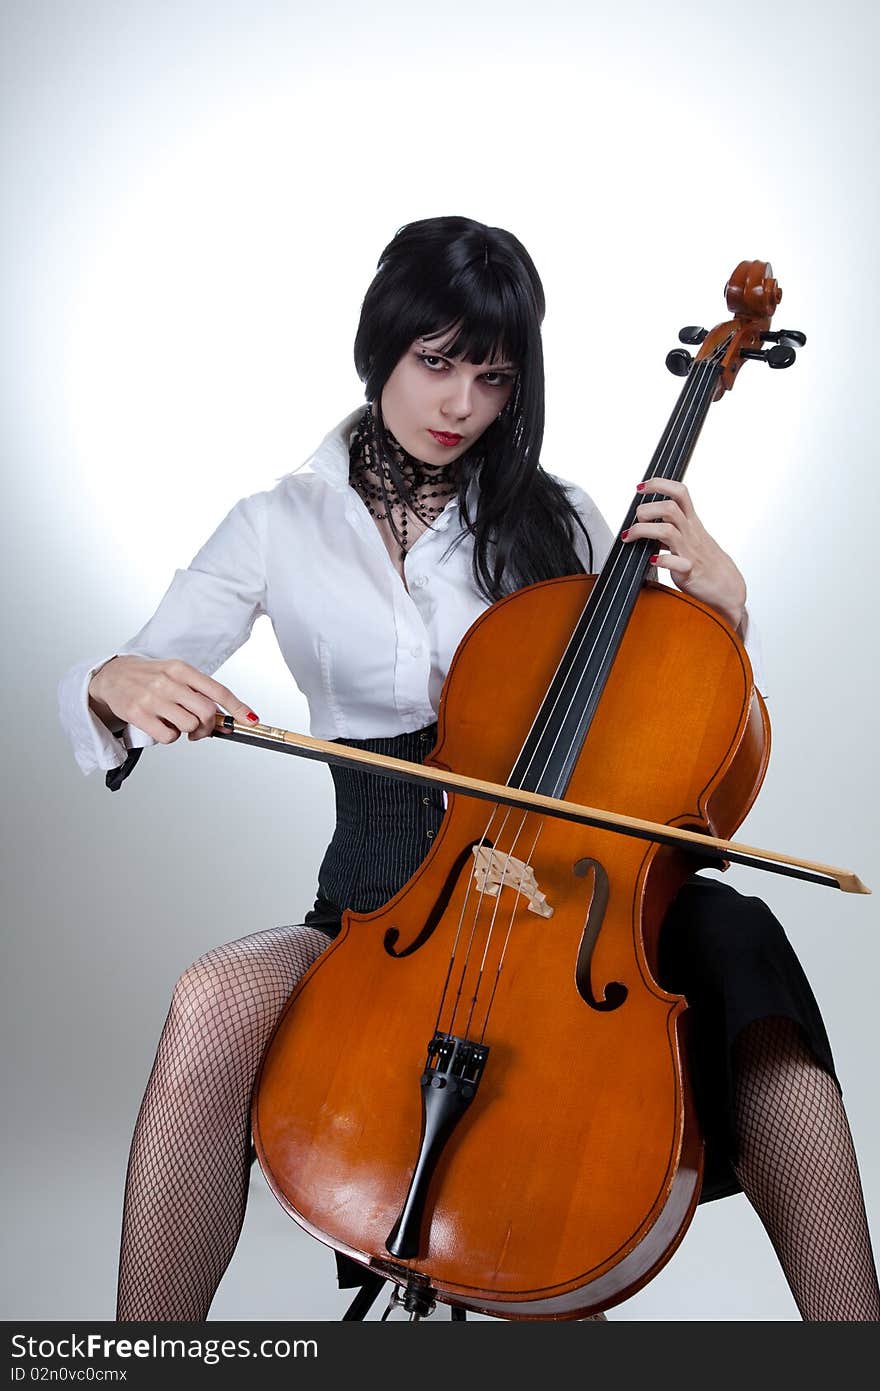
(782, 354)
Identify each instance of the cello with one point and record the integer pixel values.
(481, 1087)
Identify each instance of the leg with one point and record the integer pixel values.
(767, 1095)
(189, 1165)
(797, 1166)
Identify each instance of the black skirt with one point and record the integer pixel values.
(725, 952)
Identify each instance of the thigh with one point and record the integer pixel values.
(246, 979)
(728, 955)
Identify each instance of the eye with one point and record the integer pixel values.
(432, 361)
(501, 378)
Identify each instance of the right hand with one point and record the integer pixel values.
(163, 698)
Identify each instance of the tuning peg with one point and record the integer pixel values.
(783, 355)
(785, 335)
(692, 334)
(679, 362)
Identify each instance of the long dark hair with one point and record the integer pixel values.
(446, 273)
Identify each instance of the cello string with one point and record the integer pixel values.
(477, 911)
(621, 572)
(620, 577)
(491, 928)
(495, 911)
(480, 896)
(686, 420)
(632, 577)
(687, 408)
(526, 864)
(503, 955)
(684, 416)
(480, 969)
(451, 966)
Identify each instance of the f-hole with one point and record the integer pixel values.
(392, 936)
(615, 992)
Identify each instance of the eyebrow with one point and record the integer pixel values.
(440, 352)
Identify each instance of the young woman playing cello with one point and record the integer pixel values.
(419, 510)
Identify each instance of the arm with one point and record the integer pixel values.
(206, 614)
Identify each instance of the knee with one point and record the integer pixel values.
(202, 993)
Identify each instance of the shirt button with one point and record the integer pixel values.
(427, 801)
(417, 650)
(420, 581)
(430, 835)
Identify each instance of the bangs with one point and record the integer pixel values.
(489, 326)
(470, 289)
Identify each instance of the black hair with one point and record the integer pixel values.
(453, 274)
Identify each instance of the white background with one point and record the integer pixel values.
(196, 196)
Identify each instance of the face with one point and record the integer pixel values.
(437, 406)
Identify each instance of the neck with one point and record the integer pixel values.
(393, 484)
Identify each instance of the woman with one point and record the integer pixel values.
(417, 513)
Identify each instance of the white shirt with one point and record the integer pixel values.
(368, 651)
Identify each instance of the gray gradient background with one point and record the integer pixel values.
(196, 198)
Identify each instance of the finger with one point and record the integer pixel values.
(166, 721)
(179, 717)
(668, 511)
(653, 531)
(203, 712)
(214, 690)
(181, 707)
(675, 564)
(669, 488)
(154, 726)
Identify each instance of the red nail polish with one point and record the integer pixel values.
(654, 559)
(255, 719)
(624, 534)
(640, 487)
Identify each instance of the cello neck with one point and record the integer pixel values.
(554, 742)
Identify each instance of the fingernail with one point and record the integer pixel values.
(654, 559)
(254, 719)
(640, 487)
(624, 534)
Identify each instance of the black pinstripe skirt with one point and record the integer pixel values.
(726, 953)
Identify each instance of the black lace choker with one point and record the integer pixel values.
(423, 489)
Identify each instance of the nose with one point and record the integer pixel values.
(459, 399)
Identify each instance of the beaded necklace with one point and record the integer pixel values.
(427, 488)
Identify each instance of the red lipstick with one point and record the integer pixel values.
(448, 440)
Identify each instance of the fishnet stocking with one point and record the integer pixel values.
(798, 1168)
(189, 1165)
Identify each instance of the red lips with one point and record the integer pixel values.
(448, 440)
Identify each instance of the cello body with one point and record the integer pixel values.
(574, 1171)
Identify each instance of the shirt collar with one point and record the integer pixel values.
(330, 461)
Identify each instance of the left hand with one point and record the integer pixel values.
(697, 564)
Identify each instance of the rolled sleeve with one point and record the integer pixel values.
(94, 745)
